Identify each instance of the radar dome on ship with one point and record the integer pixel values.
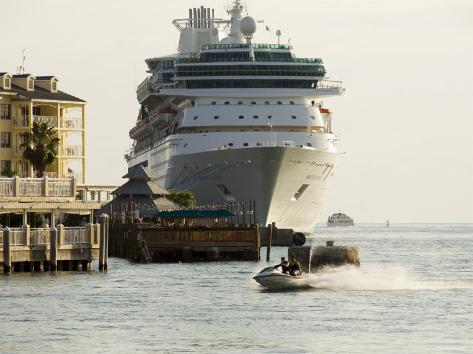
(248, 26)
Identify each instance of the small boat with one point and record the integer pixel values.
(274, 279)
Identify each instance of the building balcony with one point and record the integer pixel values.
(51, 121)
(71, 151)
(27, 188)
(21, 122)
(71, 123)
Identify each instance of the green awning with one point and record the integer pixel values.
(196, 214)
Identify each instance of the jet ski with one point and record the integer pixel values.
(272, 278)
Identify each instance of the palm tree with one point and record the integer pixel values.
(40, 145)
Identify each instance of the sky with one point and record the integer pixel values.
(405, 121)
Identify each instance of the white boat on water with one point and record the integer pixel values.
(230, 119)
(273, 279)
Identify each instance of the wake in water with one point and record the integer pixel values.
(378, 278)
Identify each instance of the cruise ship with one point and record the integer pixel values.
(232, 120)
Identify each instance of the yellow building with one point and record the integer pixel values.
(25, 99)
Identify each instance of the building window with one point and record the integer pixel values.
(241, 117)
(54, 86)
(36, 111)
(5, 167)
(5, 139)
(92, 195)
(7, 83)
(30, 84)
(5, 111)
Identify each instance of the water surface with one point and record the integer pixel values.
(412, 294)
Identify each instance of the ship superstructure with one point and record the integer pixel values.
(233, 120)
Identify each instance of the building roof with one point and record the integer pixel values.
(21, 76)
(42, 94)
(44, 77)
(139, 187)
(139, 173)
(147, 206)
(140, 184)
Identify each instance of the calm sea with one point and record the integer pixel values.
(412, 294)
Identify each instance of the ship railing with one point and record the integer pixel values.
(253, 144)
(248, 60)
(326, 84)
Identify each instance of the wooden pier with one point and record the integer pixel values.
(61, 248)
(145, 243)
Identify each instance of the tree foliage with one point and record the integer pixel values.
(40, 147)
(182, 199)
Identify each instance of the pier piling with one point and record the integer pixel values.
(6, 250)
(53, 250)
(270, 241)
(103, 253)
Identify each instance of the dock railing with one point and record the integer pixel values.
(26, 236)
(37, 187)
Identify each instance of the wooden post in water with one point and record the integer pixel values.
(103, 252)
(270, 240)
(6, 250)
(53, 250)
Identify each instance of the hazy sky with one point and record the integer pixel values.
(405, 120)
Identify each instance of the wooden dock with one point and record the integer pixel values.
(145, 243)
(57, 248)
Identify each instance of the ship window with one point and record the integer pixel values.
(227, 102)
(240, 102)
(293, 117)
(255, 117)
(279, 102)
(195, 117)
(253, 102)
(309, 144)
(245, 144)
(217, 117)
(313, 117)
(267, 102)
(214, 103)
(193, 103)
(241, 117)
(269, 117)
(230, 144)
(299, 193)
(291, 102)
(259, 144)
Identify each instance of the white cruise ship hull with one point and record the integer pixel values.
(288, 184)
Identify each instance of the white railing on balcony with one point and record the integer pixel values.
(51, 121)
(60, 187)
(31, 187)
(17, 236)
(7, 187)
(41, 236)
(75, 235)
(72, 150)
(71, 123)
(37, 187)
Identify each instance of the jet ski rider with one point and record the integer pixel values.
(284, 266)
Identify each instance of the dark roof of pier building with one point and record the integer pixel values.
(140, 183)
